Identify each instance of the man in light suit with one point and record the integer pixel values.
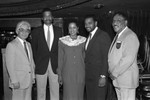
(20, 64)
(96, 64)
(44, 44)
(122, 59)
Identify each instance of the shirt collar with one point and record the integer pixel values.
(93, 32)
(46, 26)
(122, 31)
(21, 40)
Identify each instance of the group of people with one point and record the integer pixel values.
(73, 61)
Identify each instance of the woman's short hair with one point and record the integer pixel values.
(93, 16)
(123, 14)
(46, 9)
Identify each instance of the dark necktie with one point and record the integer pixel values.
(48, 37)
(90, 36)
(115, 39)
(26, 50)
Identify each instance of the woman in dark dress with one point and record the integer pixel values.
(71, 68)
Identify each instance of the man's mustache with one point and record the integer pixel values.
(47, 20)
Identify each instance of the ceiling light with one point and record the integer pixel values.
(98, 6)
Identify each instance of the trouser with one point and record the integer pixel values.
(125, 94)
(22, 94)
(53, 84)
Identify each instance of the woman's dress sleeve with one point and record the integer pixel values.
(60, 57)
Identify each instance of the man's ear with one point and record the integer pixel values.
(95, 23)
(126, 22)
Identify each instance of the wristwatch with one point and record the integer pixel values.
(102, 76)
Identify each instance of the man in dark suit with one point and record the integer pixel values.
(45, 52)
(96, 57)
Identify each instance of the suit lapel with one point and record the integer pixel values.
(21, 48)
(92, 40)
(113, 43)
(55, 35)
(42, 37)
(120, 38)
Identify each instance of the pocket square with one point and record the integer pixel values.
(118, 44)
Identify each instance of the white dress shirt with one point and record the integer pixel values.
(51, 34)
(23, 46)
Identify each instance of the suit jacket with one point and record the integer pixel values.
(122, 60)
(96, 55)
(19, 66)
(41, 53)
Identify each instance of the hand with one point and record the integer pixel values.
(33, 80)
(102, 82)
(16, 85)
(60, 80)
(112, 77)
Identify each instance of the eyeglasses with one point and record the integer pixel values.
(24, 30)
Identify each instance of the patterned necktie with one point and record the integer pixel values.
(26, 50)
(48, 37)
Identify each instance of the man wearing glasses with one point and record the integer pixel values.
(20, 64)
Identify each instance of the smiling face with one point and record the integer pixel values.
(119, 23)
(73, 29)
(47, 18)
(23, 32)
(90, 24)
(23, 29)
